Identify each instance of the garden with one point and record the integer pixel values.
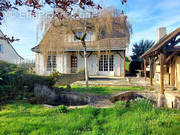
(19, 116)
(137, 118)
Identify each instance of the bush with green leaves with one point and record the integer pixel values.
(55, 75)
(7, 71)
(17, 79)
(81, 70)
(62, 109)
(4, 93)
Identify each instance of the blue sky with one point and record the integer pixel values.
(144, 15)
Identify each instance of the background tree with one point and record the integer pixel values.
(138, 49)
(65, 5)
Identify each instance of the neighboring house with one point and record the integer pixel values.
(71, 59)
(7, 52)
(164, 59)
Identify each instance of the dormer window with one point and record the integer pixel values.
(79, 34)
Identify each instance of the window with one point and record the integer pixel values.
(79, 34)
(106, 63)
(101, 63)
(73, 64)
(88, 36)
(51, 63)
(111, 63)
(0, 48)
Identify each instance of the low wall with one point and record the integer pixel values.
(67, 79)
(127, 81)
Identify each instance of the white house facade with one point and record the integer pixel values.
(105, 53)
(69, 62)
(7, 52)
(72, 60)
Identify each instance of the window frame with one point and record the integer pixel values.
(74, 64)
(51, 64)
(106, 63)
(79, 34)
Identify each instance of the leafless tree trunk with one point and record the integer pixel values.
(85, 63)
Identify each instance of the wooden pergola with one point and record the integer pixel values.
(166, 52)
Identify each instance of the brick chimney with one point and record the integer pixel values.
(161, 32)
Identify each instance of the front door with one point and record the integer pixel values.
(73, 64)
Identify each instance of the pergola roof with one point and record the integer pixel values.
(168, 41)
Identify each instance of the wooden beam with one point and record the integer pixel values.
(161, 73)
(151, 71)
(174, 49)
(172, 81)
(170, 56)
(89, 54)
(124, 63)
(145, 75)
(174, 43)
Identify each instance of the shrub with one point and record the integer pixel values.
(55, 76)
(4, 93)
(17, 79)
(81, 70)
(31, 79)
(62, 109)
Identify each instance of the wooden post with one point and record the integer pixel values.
(172, 81)
(145, 75)
(151, 72)
(124, 63)
(161, 73)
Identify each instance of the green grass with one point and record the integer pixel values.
(105, 90)
(138, 118)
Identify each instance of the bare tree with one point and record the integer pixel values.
(66, 6)
(105, 23)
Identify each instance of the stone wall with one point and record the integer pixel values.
(67, 79)
(58, 96)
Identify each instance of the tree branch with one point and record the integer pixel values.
(9, 39)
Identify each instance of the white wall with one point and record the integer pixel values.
(40, 68)
(93, 68)
(62, 61)
(8, 53)
(92, 64)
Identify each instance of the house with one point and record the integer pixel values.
(7, 52)
(164, 59)
(110, 62)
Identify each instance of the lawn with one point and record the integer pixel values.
(105, 90)
(136, 118)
